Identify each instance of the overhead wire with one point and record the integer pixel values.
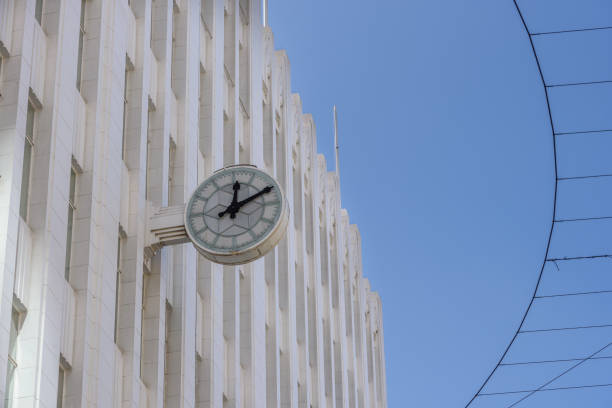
(584, 219)
(560, 375)
(577, 258)
(579, 83)
(552, 224)
(595, 292)
(575, 387)
(561, 360)
(583, 177)
(576, 30)
(596, 326)
(520, 329)
(579, 132)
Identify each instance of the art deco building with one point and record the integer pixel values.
(113, 109)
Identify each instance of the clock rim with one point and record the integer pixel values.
(254, 251)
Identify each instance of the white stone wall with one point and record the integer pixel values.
(206, 88)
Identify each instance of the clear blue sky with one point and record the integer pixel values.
(447, 166)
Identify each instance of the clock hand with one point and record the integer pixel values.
(233, 204)
(236, 187)
(254, 196)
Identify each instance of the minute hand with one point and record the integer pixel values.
(254, 196)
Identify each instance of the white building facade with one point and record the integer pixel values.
(112, 109)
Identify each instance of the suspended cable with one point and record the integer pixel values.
(553, 222)
(560, 375)
(576, 387)
(554, 209)
(564, 360)
(579, 83)
(597, 292)
(600, 326)
(583, 177)
(576, 258)
(570, 31)
(579, 132)
(583, 219)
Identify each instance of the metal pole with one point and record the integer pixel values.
(336, 142)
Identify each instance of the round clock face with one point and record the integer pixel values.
(236, 215)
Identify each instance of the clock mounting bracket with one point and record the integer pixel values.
(166, 226)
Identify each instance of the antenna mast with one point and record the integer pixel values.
(336, 143)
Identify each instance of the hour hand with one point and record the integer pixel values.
(232, 208)
(236, 187)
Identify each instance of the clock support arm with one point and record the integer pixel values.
(165, 226)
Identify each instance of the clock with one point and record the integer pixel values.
(236, 215)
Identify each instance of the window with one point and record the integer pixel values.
(60, 388)
(125, 107)
(117, 288)
(11, 367)
(28, 146)
(71, 208)
(81, 40)
(38, 11)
